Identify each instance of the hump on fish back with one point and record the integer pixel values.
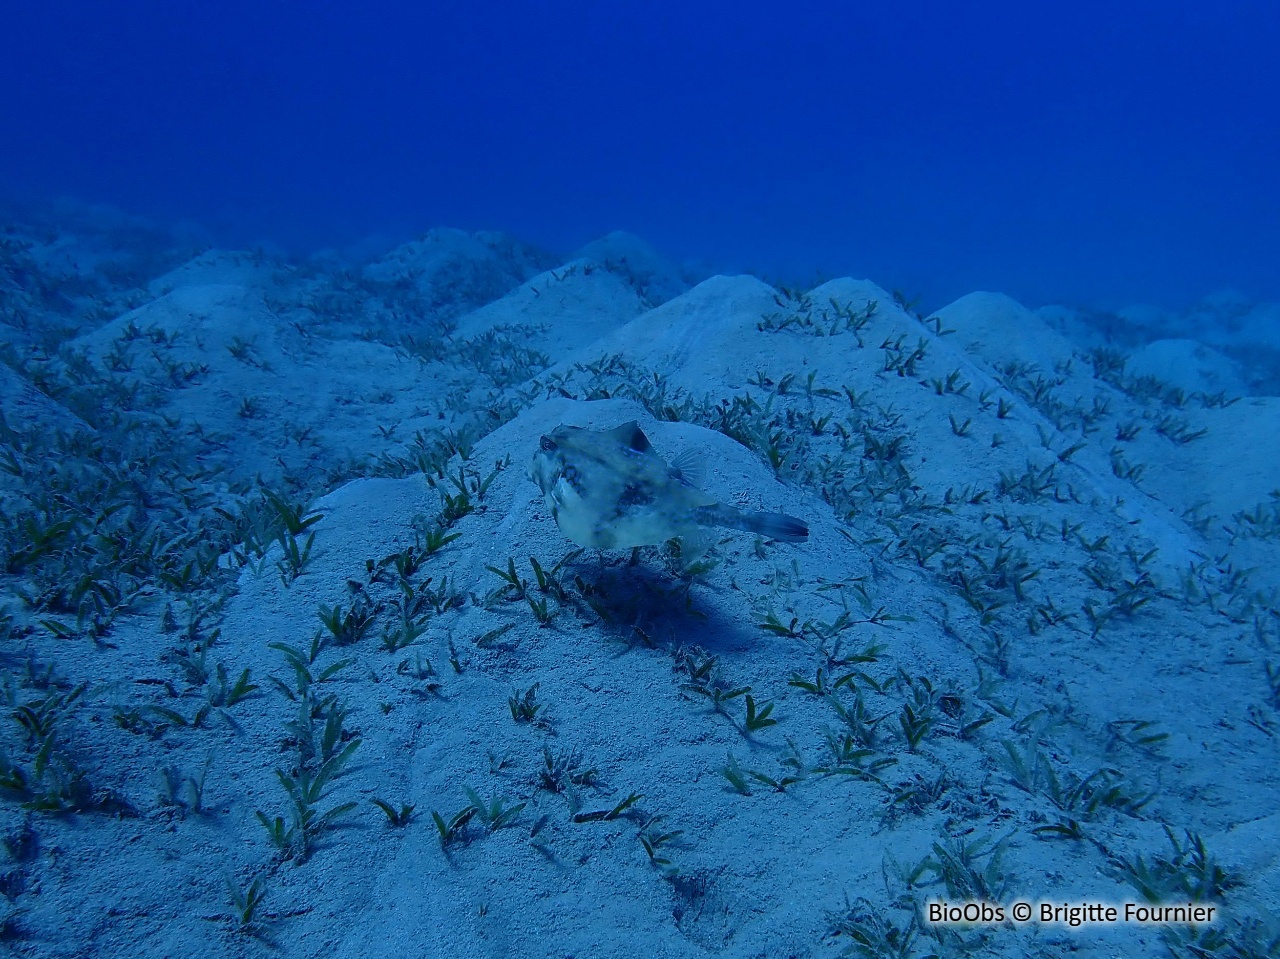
(631, 436)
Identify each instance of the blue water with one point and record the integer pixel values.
(1088, 153)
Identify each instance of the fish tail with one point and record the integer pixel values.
(779, 526)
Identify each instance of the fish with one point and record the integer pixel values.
(609, 489)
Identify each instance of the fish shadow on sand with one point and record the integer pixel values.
(644, 604)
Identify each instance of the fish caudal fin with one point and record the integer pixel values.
(778, 526)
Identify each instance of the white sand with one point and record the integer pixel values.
(750, 875)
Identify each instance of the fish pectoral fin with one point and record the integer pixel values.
(690, 466)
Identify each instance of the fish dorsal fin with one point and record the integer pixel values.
(690, 466)
(631, 436)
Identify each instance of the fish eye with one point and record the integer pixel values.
(547, 443)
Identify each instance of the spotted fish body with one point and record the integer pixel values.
(609, 489)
